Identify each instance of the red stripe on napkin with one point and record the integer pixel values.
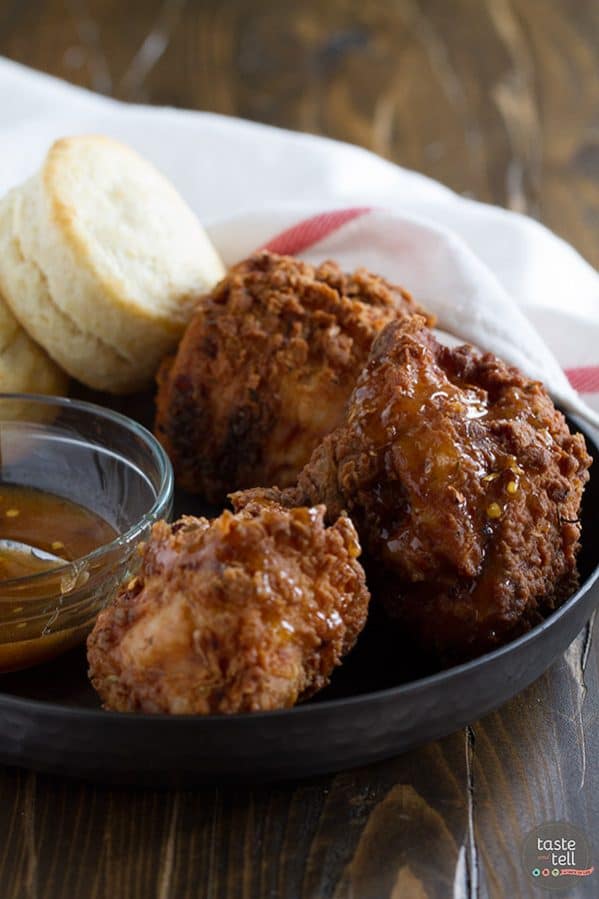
(584, 379)
(301, 236)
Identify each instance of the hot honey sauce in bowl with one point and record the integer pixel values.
(50, 523)
(80, 487)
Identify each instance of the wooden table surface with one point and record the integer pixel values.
(500, 100)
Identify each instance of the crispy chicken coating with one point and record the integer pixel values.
(265, 369)
(464, 483)
(247, 612)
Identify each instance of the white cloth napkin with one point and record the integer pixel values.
(494, 278)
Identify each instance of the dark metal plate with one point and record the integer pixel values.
(380, 702)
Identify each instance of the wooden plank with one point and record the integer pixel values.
(498, 99)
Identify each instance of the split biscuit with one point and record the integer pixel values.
(24, 366)
(102, 262)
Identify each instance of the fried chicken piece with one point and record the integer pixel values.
(247, 612)
(464, 483)
(265, 369)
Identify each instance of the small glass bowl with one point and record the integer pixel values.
(103, 461)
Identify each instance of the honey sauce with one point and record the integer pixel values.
(16, 563)
(47, 522)
(31, 627)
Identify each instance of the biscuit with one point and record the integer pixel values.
(102, 262)
(24, 366)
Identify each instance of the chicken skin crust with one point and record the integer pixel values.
(265, 369)
(247, 612)
(464, 483)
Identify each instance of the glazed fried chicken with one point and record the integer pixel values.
(247, 612)
(464, 483)
(265, 369)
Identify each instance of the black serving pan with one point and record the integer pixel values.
(381, 702)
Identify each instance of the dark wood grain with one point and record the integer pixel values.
(499, 99)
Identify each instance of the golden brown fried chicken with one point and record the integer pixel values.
(248, 612)
(464, 483)
(265, 369)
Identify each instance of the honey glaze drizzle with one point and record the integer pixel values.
(510, 475)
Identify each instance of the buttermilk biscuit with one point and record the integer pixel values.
(102, 262)
(24, 366)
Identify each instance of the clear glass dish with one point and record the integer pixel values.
(101, 460)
